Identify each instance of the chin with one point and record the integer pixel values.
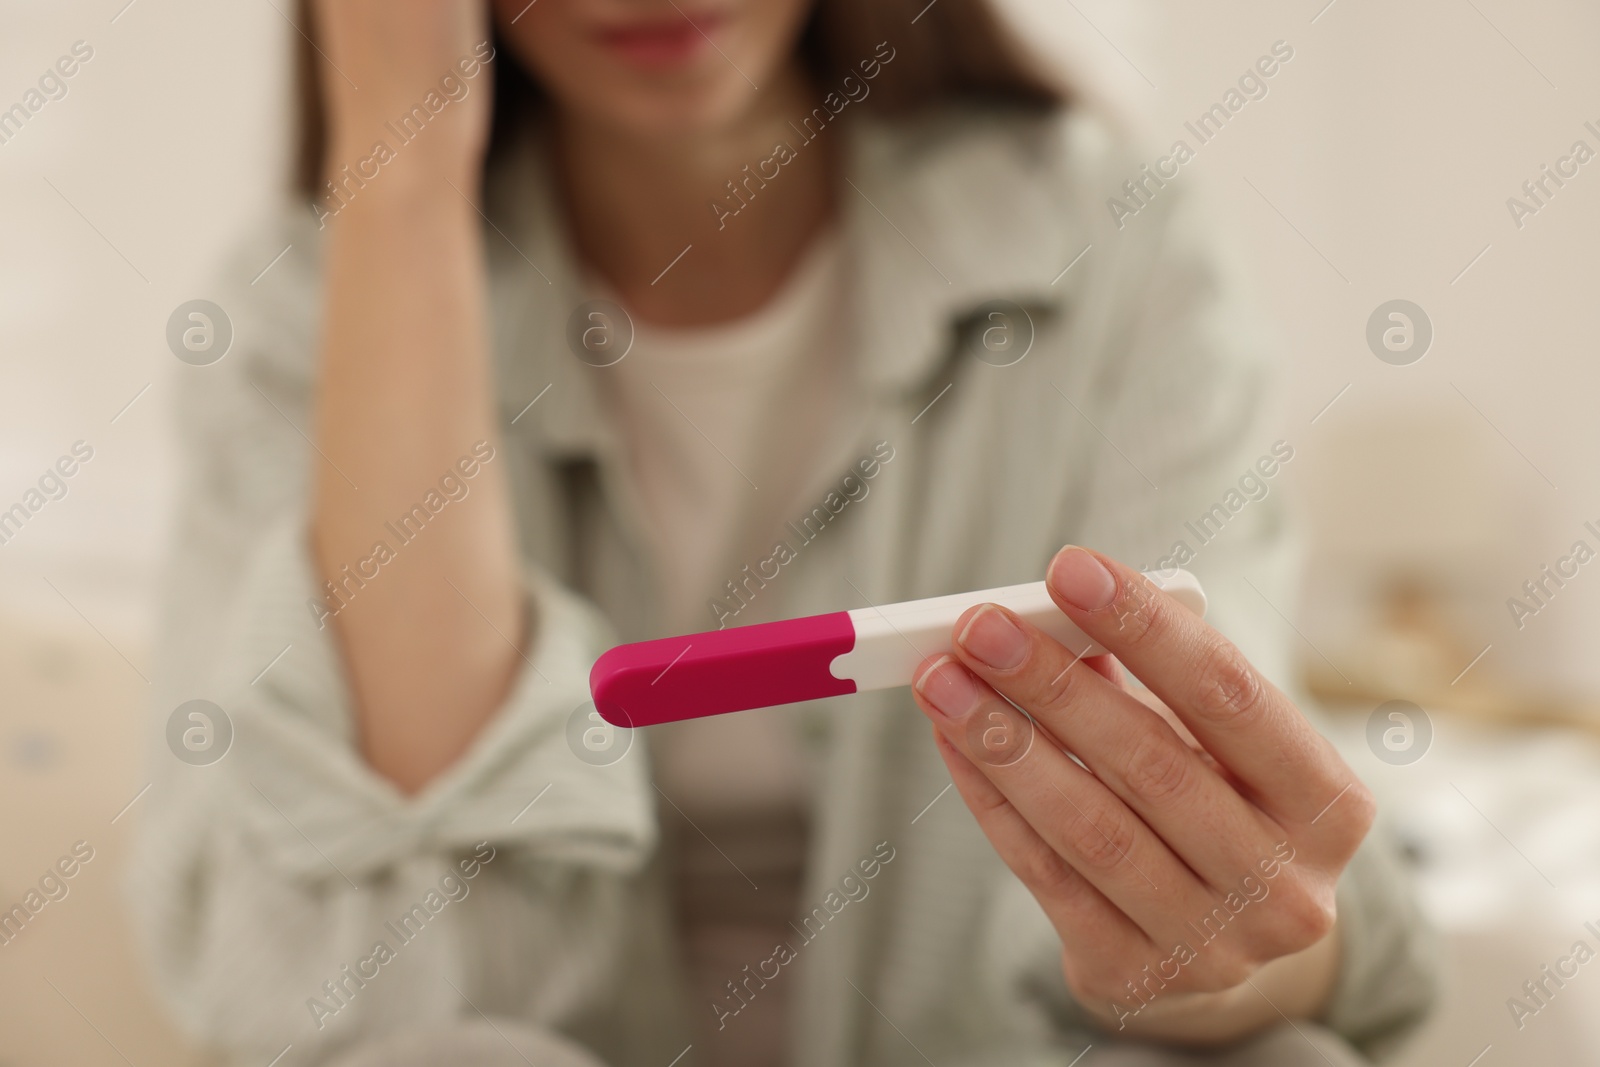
(650, 73)
(669, 113)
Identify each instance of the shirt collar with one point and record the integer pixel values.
(945, 214)
(940, 216)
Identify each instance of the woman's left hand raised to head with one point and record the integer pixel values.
(1188, 848)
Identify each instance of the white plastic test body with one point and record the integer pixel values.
(893, 639)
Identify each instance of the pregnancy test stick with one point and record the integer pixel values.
(773, 663)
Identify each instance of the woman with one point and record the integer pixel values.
(704, 316)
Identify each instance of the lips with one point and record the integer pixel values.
(662, 43)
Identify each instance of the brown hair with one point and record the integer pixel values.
(955, 49)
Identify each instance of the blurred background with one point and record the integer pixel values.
(1432, 483)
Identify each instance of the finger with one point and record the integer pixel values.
(1240, 717)
(1072, 811)
(1295, 918)
(1127, 745)
(1106, 666)
(1091, 928)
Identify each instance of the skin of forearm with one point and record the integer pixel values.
(1298, 986)
(430, 644)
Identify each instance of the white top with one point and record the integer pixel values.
(722, 426)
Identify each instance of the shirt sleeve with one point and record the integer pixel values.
(1191, 473)
(260, 874)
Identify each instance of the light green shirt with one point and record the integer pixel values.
(1138, 406)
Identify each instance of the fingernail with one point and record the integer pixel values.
(947, 686)
(1081, 580)
(991, 636)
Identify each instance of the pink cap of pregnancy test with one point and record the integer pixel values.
(720, 671)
